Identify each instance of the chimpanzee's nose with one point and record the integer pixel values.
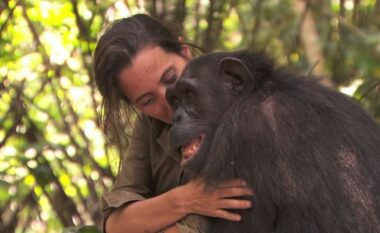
(177, 118)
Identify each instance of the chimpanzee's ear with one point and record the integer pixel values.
(236, 73)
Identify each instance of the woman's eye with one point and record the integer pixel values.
(147, 101)
(171, 79)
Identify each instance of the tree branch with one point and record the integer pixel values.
(180, 12)
(256, 23)
(16, 107)
(10, 16)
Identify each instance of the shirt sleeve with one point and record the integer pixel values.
(194, 224)
(134, 181)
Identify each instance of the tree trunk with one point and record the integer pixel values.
(311, 42)
(180, 12)
(215, 25)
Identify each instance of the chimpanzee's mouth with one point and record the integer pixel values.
(191, 148)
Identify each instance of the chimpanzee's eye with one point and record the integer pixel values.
(188, 93)
(174, 101)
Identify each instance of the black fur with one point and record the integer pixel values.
(310, 154)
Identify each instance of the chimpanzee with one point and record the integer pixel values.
(311, 155)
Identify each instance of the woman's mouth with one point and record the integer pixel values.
(190, 149)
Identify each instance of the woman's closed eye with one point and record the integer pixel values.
(169, 76)
(170, 80)
(146, 101)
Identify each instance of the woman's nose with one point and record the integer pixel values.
(165, 105)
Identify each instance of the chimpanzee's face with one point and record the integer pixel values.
(202, 95)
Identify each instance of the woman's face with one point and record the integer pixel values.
(144, 82)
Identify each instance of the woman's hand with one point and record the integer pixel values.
(214, 201)
(172, 229)
(170, 207)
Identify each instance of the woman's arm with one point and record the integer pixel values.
(155, 213)
(144, 216)
(131, 207)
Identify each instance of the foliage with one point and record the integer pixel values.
(54, 162)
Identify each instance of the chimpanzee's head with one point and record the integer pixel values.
(207, 89)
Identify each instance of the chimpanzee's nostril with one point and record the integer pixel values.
(177, 118)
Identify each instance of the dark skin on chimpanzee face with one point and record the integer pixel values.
(199, 108)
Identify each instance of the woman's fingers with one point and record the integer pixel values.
(216, 201)
(234, 204)
(226, 215)
(233, 192)
(233, 183)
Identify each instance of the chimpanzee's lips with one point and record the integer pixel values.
(191, 148)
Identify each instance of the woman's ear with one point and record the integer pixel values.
(186, 51)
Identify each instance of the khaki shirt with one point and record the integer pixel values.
(148, 169)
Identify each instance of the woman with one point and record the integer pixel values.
(135, 61)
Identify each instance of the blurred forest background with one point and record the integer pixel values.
(54, 162)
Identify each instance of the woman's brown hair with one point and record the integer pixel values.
(115, 50)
